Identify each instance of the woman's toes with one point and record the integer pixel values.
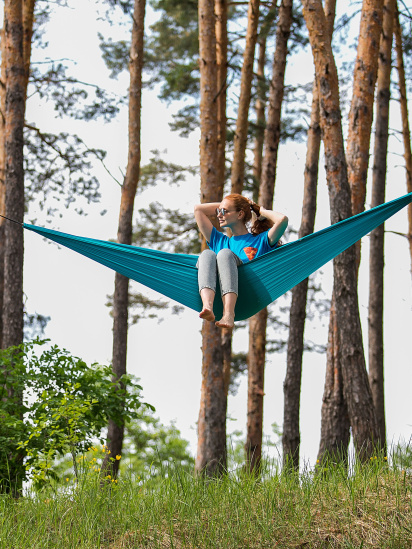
(227, 321)
(207, 314)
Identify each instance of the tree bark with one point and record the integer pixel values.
(256, 378)
(211, 458)
(405, 120)
(115, 432)
(293, 378)
(14, 175)
(376, 250)
(2, 172)
(355, 380)
(258, 322)
(27, 18)
(292, 383)
(2, 124)
(14, 110)
(221, 8)
(260, 117)
(334, 413)
(335, 428)
(358, 150)
(221, 60)
(361, 111)
(335, 424)
(242, 121)
(277, 86)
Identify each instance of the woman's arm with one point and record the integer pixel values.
(280, 222)
(202, 214)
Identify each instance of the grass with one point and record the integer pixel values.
(369, 508)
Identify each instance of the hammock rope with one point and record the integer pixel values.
(261, 281)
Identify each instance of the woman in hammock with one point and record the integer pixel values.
(225, 254)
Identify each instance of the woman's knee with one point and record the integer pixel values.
(206, 257)
(208, 253)
(225, 253)
(227, 257)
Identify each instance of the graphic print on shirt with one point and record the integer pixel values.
(250, 252)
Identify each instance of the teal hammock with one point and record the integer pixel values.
(261, 281)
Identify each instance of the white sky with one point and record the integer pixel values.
(166, 357)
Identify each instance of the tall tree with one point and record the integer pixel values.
(115, 431)
(258, 323)
(2, 171)
(14, 109)
(376, 247)
(361, 110)
(14, 175)
(242, 121)
(405, 120)
(221, 11)
(260, 114)
(292, 384)
(335, 425)
(221, 60)
(355, 381)
(335, 422)
(211, 448)
(15, 75)
(334, 409)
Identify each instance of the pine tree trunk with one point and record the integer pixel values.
(256, 332)
(14, 176)
(2, 172)
(2, 123)
(27, 17)
(242, 121)
(335, 428)
(334, 411)
(405, 121)
(292, 383)
(211, 455)
(221, 60)
(258, 322)
(12, 321)
(335, 425)
(356, 387)
(115, 432)
(260, 117)
(272, 131)
(28, 20)
(376, 258)
(361, 111)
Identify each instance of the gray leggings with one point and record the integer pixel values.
(225, 262)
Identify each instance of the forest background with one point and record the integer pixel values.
(167, 357)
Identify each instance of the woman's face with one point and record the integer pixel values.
(229, 216)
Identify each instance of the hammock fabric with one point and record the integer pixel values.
(261, 281)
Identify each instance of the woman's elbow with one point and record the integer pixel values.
(284, 221)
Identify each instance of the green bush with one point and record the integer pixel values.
(54, 404)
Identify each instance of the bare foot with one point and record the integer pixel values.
(207, 314)
(227, 321)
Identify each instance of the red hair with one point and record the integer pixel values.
(242, 204)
